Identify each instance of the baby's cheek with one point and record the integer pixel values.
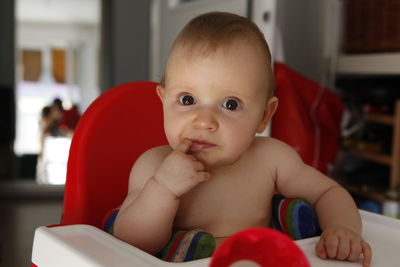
(241, 142)
(171, 137)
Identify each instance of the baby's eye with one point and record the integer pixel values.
(231, 104)
(186, 100)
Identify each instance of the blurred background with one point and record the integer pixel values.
(57, 56)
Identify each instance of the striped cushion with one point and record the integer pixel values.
(294, 217)
(108, 221)
(188, 245)
(183, 246)
(291, 216)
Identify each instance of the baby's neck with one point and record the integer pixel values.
(225, 168)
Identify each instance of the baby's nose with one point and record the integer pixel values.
(205, 120)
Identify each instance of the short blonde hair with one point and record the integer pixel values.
(206, 33)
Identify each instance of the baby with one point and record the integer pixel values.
(215, 174)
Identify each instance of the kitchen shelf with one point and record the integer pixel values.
(395, 171)
(355, 70)
(393, 160)
(379, 158)
(381, 118)
(370, 64)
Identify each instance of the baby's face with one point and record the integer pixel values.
(217, 101)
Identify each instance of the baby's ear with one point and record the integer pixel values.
(270, 107)
(160, 91)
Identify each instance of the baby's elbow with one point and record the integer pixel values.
(152, 249)
(136, 239)
(147, 246)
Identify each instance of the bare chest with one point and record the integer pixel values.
(227, 204)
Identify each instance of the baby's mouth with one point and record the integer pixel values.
(200, 145)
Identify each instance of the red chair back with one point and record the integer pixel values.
(114, 131)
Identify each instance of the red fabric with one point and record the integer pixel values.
(308, 118)
(113, 132)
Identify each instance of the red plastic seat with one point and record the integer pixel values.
(114, 131)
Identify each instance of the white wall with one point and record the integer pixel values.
(310, 36)
(125, 42)
(302, 23)
(169, 17)
(59, 11)
(82, 40)
(72, 25)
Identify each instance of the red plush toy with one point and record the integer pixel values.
(262, 247)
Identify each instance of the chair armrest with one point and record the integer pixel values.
(381, 232)
(88, 246)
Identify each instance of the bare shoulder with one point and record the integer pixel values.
(153, 155)
(146, 166)
(279, 155)
(292, 176)
(272, 146)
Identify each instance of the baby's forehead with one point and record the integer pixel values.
(190, 54)
(193, 49)
(187, 55)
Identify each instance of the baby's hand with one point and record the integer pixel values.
(180, 172)
(343, 244)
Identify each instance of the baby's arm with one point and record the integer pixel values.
(337, 213)
(341, 223)
(146, 215)
(156, 182)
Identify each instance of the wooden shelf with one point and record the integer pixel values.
(395, 171)
(372, 64)
(380, 158)
(393, 160)
(381, 118)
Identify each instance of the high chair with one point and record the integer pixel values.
(114, 131)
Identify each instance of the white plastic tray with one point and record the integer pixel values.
(84, 245)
